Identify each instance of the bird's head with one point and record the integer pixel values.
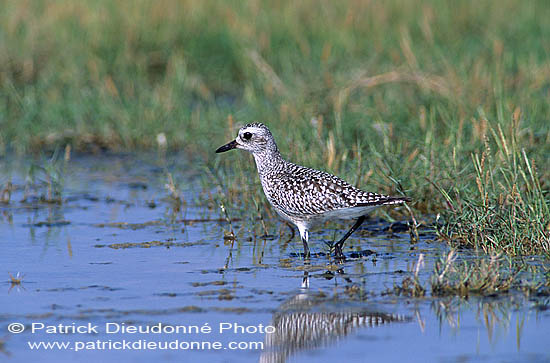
(254, 137)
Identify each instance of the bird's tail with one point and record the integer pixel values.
(397, 200)
(384, 200)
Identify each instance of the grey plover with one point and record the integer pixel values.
(304, 196)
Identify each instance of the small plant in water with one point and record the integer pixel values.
(411, 286)
(17, 279)
(3, 347)
(175, 195)
(50, 175)
(231, 234)
(5, 194)
(479, 277)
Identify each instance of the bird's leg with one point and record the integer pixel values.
(338, 246)
(304, 237)
(306, 249)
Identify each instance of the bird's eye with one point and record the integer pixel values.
(247, 135)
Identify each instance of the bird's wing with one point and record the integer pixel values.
(304, 191)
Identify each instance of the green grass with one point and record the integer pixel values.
(445, 102)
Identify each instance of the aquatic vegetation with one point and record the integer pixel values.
(175, 194)
(486, 277)
(493, 276)
(411, 285)
(45, 180)
(3, 349)
(17, 279)
(5, 193)
(150, 244)
(483, 277)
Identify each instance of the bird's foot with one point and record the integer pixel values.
(338, 254)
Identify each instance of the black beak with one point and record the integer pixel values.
(227, 147)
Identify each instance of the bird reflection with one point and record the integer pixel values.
(299, 326)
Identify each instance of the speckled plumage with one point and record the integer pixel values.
(302, 195)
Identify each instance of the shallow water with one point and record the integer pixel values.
(116, 254)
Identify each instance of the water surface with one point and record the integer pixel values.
(118, 253)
